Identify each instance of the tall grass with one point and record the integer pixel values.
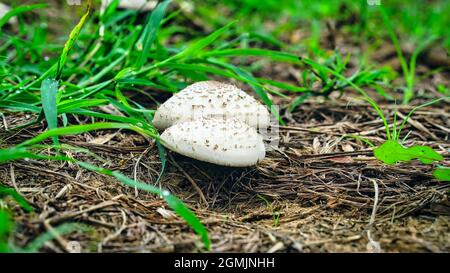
(408, 68)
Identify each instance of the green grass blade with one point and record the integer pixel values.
(199, 67)
(79, 129)
(150, 31)
(49, 91)
(17, 153)
(162, 156)
(285, 86)
(5, 191)
(410, 78)
(19, 106)
(176, 204)
(6, 227)
(408, 93)
(68, 105)
(299, 100)
(360, 138)
(274, 55)
(40, 241)
(90, 113)
(199, 45)
(16, 11)
(357, 88)
(394, 127)
(124, 101)
(102, 72)
(13, 154)
(73, 36)
(415, 109)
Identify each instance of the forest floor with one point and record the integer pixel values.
(315, 193)
(318, 191)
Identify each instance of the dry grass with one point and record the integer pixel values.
(323, 185)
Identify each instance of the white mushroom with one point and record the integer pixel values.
(144, 5)
(224, 142)
(211, 99)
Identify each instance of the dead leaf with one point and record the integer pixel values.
(278, 246)
(316, 145)
(167, 214)
(342, 159)
(111, 109)
(347, 148)
(103, 139)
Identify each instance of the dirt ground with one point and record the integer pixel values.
(322, 185)
(317, 192)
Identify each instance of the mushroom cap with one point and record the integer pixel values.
(211, 99)
(229, 142)
(144, 5)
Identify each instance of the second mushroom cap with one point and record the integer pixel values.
(224, 142)
(211, 99)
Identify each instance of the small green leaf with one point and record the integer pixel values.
(425, 154)
(392, 152)
(442, 174)
(49, 91)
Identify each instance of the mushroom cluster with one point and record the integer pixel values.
(214, 122)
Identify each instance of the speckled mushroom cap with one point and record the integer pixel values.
(144, 5)
(229, 142)
(211, 99)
